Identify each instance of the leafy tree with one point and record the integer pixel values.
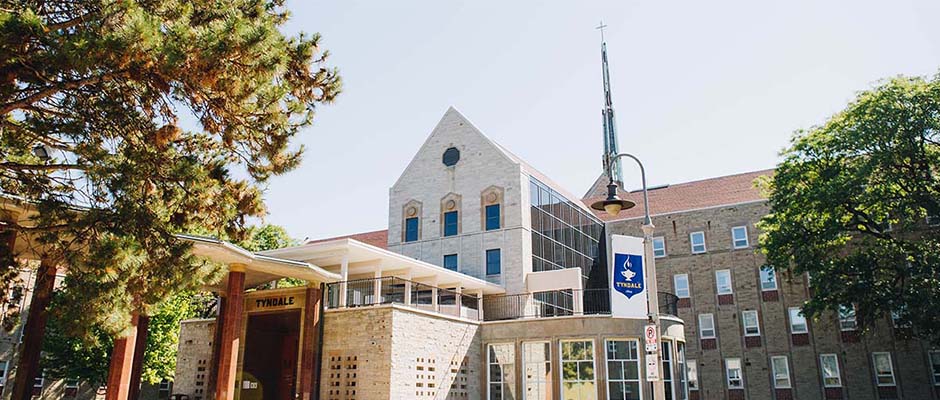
(267, 237)
(853, 205)
(93, 96)
(87, 359)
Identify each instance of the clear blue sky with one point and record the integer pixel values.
(701, 89)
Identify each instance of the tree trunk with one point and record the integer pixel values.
(27, 367)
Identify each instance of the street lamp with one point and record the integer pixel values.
(613, 204)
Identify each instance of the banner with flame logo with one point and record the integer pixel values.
(628, 294)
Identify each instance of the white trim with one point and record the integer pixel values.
(561, 361)
(760, 277)
(714, 330)
(747, 241)
(740, 373)
(693, 210)
(688, 365)
(935, 373)
(790, 319)
(874, 369)
(639, 370)
(688, 286)
(663, 240)
(692, 243)
(773, 370)
(525, 382)
(847, 324)
(756, 320)
(730, 282)
(838, 370)
(489, 362)
(6, 373)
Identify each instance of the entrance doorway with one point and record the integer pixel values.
(271, 347)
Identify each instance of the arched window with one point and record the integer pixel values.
(411, 222)
(450, 215)
(491, 208)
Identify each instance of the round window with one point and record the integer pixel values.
(451, 156)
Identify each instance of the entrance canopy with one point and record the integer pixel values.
(353, 259)
(258, 268)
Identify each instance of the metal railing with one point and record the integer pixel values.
(560, 303)
(393, 290)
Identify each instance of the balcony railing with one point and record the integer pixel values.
(559, 303)
(393, 290)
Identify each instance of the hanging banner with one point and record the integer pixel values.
(628, 294)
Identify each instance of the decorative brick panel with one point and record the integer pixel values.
(735, 394)
(800, 339)
(709, 344)
(770, 295)
(783, 394)
(684, 303)
(752, 341)
(725, 299)
(693, 395)
(887, 392)
(833, 393)
(850, 336)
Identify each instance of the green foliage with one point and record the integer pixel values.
(849, 206)
(103, 85)
(87, 359)
(267, 237)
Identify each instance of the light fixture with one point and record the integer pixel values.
(613, 204)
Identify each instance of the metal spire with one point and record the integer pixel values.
(610, 129)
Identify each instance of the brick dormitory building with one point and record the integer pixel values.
(491, 282)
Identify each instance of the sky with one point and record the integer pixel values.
(700, 89)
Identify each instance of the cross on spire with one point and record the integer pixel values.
(601, 28)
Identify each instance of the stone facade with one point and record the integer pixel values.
(854, 350)
(194, 357)
(389, 352)
(428, 188)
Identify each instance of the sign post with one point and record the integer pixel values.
(652, 353)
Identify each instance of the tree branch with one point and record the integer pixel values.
(41, 167)
(42, 94)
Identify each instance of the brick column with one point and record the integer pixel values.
(122, 363)
(216, 339)
(27, 367)
(310, 346)
(231, 328)
(139, 348)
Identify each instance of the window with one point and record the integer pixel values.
(73, 384)
(40, 379)
(847, 321)
(781, 372)
(665, 355)
(577, 370)
(3, 373)
(450, 223)
(682, 285)
(733, 372)
(698, 242)
(681, 369)
(492, 217)
(797, 321)
(623, 370)
(411, 229)
(750, 322)
(768, 278)
(450, 262)
(692, 373)
(501, 375)
(935, 366)
(739, 237)
(537, 369)
(706, 326)
(884, 371)
(829, 363)
(723, 281)
(492, 262)
(659, 247)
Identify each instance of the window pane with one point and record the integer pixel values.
(492, 217)
(450, 223)
(682, 285)
(739, 237)
(493, 262)
(781, 372)
(768, 280)
(698, 242)
(797, 321)
(577, 363)
(723, 281)
(830, 370)
(411, 229)
(450, 262)
(659, 247)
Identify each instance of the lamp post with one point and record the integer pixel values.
(613, 204)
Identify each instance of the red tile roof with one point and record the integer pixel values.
(730, 189)
(376, 238)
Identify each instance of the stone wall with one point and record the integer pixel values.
(194, 359)
(853, 349)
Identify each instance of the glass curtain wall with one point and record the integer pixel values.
(564, 235)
